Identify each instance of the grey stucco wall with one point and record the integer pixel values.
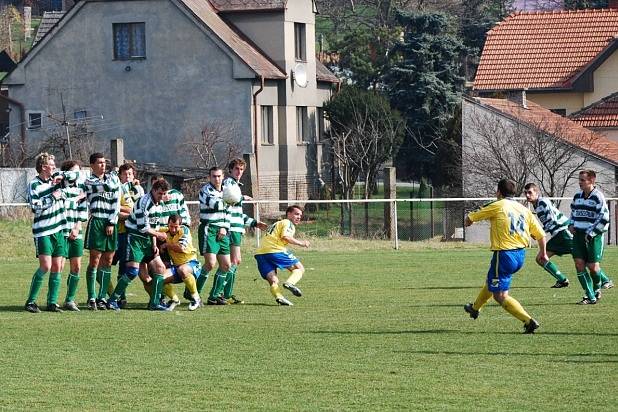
(155, 104)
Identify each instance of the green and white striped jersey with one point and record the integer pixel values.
(591, 213)
(75, 210)
(552, 219)
(238, 219)
(49, 216)
(174, 204)
(213, 210)
(104, 196)
(146, 214)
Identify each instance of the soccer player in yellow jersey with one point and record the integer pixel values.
(512, 224)
(273, 255)
(185, 266)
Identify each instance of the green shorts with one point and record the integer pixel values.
(208, 243)
(75, 248)
(139, 248)
(97, 239)
(235, 238)
(561, 243)
(589, 252)
(54, 245)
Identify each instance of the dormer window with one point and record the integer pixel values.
(300, 42)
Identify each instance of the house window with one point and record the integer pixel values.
(80, 115)
(561, 112)
(301, 125)
(267, 125)
(300, 43)
(321, 124)
(35, 119)
(129, 41)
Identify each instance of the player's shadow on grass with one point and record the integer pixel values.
(476, 287)
(593, 356)
(19, 308)
(451, 331)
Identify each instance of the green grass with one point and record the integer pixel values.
(376, 329)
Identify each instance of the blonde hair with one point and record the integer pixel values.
(42, 159)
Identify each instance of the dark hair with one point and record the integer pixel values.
(507, 187)
(236, 162)
(212, 169)
(529, 186)
(154, 178)
(175, 218)
(126, 166)
(69, 164)
(95, 156)
(160, 184)
(291, 208)
(591, 174)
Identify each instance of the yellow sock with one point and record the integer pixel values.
(168, 290)
(191, 285)
(276, 291)
(482, 298)
(295, 276)
(512, 306)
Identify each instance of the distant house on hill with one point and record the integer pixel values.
(565, 60)
(165, 74)
(601, 116)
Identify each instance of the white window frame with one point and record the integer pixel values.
(302, 125)
(300, 42)
(267, 118)
(31, 125)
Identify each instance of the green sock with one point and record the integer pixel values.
(72, 282)
(596, 281)
(228, 290)
(553, 270)
(218, 284)
(35, 285)
(91, 275)
(53, 289)
(106, 275)
(604, 278)
(201, 281)
(157, 288)
(121, 288)
(586, 281)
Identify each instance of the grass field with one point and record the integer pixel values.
(376, 329)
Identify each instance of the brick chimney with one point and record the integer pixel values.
(518, 96)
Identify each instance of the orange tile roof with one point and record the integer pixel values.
(556, 125)
(538, 50)
(323, 74)
(603, 113)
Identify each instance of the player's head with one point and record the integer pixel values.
(215, 175)
(587, 179)
(173, 223)
(294, 213)
(507, 188)
(69, 165)
(236, 168)
(45, 163)
(127, 172)
(532, 192)
(97, 163)
(159, 188)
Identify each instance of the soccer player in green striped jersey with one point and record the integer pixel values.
(589, 220)
(76, 209)
(46, 202)
(556, 225)
(103, 192)
(238, 221)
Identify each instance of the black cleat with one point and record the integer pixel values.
(233, 300)
(531, 326)
(92, 304)
(54, 308)
(597, 295)
(284, 302)
(217, 301)
(608, 284)
(561, 284)
(32, 307)
(101, 304)
(586, 301)
(471, 311)
(294, 289)
(122, 303)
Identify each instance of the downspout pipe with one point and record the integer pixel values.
(22, 119)
(256, 141)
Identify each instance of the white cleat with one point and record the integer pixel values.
(196, 304)
(284, 302)
(171, 305)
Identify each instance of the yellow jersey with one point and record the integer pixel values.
(184, 239)
(273, 242)
(511, 224)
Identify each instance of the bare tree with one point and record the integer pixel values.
(549, 150)
(72, 140)
(217, 144)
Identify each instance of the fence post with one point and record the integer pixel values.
(395, 225)
(256, 208)
(613, 227)
(390, 192)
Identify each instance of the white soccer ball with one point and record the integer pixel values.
(231, 194)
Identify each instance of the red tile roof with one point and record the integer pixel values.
(248, 5)
(538, 50)
(556, 125)
(204, 11)
(323, 74)
(603, 113)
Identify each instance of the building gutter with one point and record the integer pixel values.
(22, 119)
(256, 142)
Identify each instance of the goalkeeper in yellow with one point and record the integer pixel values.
(273, 255)
(511, 225)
